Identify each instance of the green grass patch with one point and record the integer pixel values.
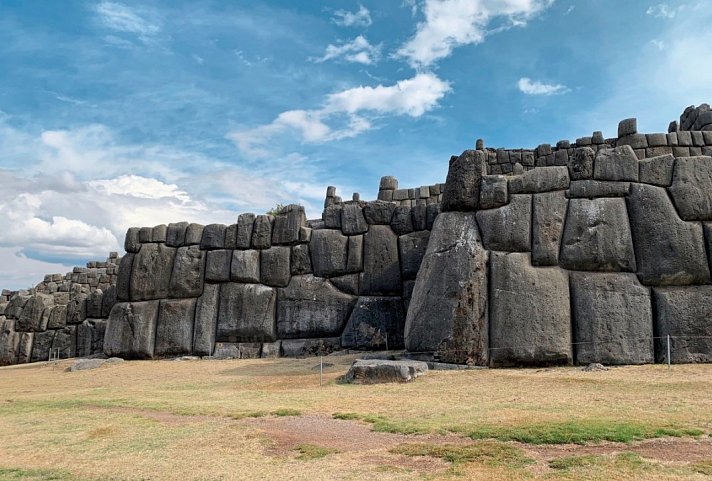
(490, 453)
(578, 432)
(286, 412)
(382, 425)
(249, 414)
(623, 462)
(308, 452)
(13, 474)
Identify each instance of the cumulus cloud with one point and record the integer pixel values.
(359, 50)
(452, 23)
(359, 18)
(533, 87)
(346, 113)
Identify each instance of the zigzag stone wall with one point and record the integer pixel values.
(587, 251)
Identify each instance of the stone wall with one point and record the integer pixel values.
(270, 285)
(595, 260)
(588, 251)
(62, 316)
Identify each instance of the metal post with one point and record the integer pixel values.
(321, 370)
(668, 350)
(386, 341)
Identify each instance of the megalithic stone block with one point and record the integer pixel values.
(381, 264)
(287, 225)
(131, 330)
(329, 252)
(684, 314)
(151, 272)
(246, 313)
(448, 310)
(174, 328)
(206, 318)
(188, 271)
(462, 188)
(262, 232)
(245, 223)
(530, 315)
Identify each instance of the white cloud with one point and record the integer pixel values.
(359, 50)
(359, 18)
(347, 113)
(659, 44)
(663, 10)
(533, 87)
(452, 23)
(122, 18)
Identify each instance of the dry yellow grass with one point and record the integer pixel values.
(221, 420)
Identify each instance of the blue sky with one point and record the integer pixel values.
(114, 114)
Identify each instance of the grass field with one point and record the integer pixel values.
(270, 419)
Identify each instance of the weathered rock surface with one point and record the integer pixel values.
(353, 221)
(656, 170)
(549, 212)
(41, 346)
(174, 328)
(262, 232)
(619, 163)
(213, 237)
(691, 187)
(151, 272)
(381, 266)
(376, 371)
(530, 322)
(188, 271)
(541, 179)
(669, 251)
(402, 220)
(274, 266)
(462, 189)
(309, 347)
(35, 314)
(375, 322)
(245, 266)
(175, 235)
(581, 163)
(247, 313)
(245, 223)
(9, 342)
(597, 236)
(206, 319)
(287, 225)
(448, 309)
(507, 228)
(311, 307)
(300, 261)
(217, 265)
(613, 319)
(684, 313)
(412, 249)
(131, 330)
(329, 252)
(90, 337)
(493, 191)
(591, 189)
(379, 212)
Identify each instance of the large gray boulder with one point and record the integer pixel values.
(42, 345)
(193, 234)
(619, 163)
(493, 191)
(131, 241)
(287, 225)
(448, 310)
(669, 251)
(90, 337)
(549, 211)
(541, 179)
(245, 223)
(379, 212)
(311, 307)
(213, 237)
(123, 280)
(353, 221)
(462, 188)
(597, 236)
(64, 343)
(151, 272)
(613, 319)
(684, 313)
(9, 342)
(329, 252)
(17, 303)
(131, 330)
(691, 187)
(274, 266)
(309, 347)
(381, 266)
(175, 235)
(262, 232)
(217, 265)
(402, 220)
(107, 301)
(174, 328)
(530, 320)
(188, 271)
(246, 313)
(657, 170)
(507, 228)
(591, 189)
(35, 314)
(206, 319)
(412, 249)
(354, 261)
(581, 163)
(245, 266)
(377, 371)
(301, 260)
(375, 323)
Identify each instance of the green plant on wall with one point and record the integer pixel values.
(276, 209)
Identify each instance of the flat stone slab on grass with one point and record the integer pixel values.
(377, 371)
(87, 364)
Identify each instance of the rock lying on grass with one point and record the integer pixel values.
(595, 366)
(86, 364)
(376, 371)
